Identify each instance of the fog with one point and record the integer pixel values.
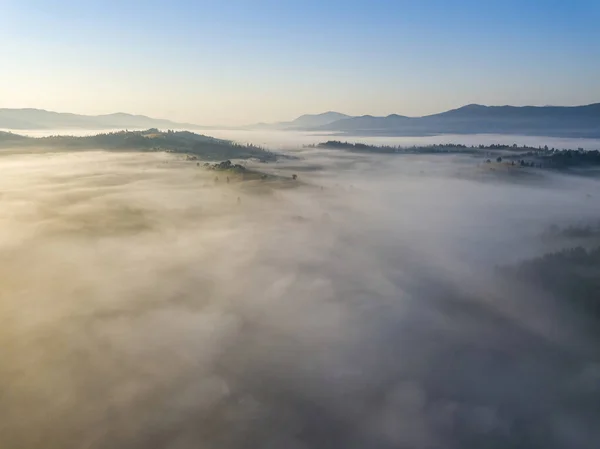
(144, 306)
(278, 140)
(292, 139)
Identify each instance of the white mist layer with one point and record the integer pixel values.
(142, 306)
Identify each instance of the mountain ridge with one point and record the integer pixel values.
(304, 121)
(558, 121)
(473, 118)
(40, 119)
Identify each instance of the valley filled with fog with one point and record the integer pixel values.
(292, 139)
(278, 140)
(376, 301)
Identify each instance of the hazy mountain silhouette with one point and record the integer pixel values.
(560, 121)
(306, 121)
(368, 122)
(42, 119)
(319, 119)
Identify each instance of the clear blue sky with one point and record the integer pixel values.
(244, 61)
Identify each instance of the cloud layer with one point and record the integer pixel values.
(144, 307)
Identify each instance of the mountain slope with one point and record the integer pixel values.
(560, 121)
(42, 119)
(311, 120)
(306, 121)
(368, 122)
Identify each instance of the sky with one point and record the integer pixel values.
(231, 62)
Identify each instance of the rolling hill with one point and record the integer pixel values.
(204, 147)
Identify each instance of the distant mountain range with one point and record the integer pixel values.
(557, 121)
(554, 121)
(39, 119)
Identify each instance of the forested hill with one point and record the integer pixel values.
(205, 147)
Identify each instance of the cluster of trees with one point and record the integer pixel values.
(553, 158)
(570, 158)
(521, 162)
(573, 274)
(226, 165)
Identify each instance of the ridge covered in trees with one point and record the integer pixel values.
(526, 156)
(202, 146)
(425, 149)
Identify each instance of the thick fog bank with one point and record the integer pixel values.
(145, 304)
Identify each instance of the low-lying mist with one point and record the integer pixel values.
(145, 304)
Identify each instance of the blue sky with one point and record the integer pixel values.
(244, 61)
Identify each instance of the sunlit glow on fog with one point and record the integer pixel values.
(144, 306)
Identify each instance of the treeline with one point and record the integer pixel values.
(553, 158)
(362, 147)
(513, 147)
(525, 156)
(205, 147)
(571, 158)
(433, 148)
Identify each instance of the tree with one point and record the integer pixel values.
(499, 159)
